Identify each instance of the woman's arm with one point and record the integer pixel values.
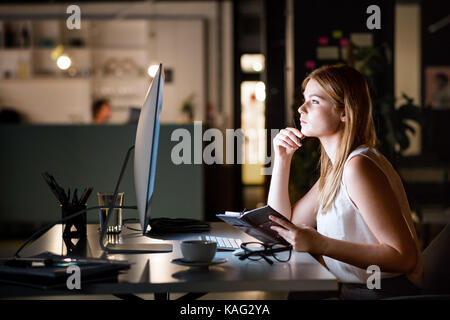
(278, 197)
(285, 143)
(304, 210)
(370, 191)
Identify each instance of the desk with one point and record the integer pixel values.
(154, 273)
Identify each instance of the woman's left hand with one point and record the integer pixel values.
(302, 238)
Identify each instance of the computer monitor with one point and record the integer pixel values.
(146, 148)
(145, 157)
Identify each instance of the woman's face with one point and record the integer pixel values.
(318, 115)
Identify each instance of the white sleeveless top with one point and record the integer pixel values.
(343, 221)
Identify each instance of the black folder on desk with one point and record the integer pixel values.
(50, 271)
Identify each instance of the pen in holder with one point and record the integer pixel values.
(76, 226)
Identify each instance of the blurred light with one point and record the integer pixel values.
(252, 63)
(260, 91)
(152, 70)
(323, 41)
(310, 64)
(57, 52)
(257, 66)
(343, 42)
(63, 62)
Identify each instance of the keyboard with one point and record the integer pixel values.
(224, 243)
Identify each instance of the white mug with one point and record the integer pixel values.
(198, 250)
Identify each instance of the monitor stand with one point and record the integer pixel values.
(129, 248)
(134, 248)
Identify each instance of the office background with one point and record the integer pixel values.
(229, 64)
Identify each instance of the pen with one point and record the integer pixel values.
(55, 188)
(85, 196)
(74, 198)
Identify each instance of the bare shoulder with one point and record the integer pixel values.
(362, 175)
(360, 167)
(366, 182)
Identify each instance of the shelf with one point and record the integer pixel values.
(71, 48)
(65, 49)
(124, 78)
(93, 78)
(13, 50)
(45, 78)
(127, 48)
(97, 79)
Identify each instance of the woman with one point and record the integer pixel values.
(358, 204)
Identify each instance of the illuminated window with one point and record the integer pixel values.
(253, 95)
(252, 63)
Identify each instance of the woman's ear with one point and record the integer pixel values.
(343, 118)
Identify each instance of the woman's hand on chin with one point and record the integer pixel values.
(286, 142)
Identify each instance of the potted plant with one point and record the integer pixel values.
(187, 108)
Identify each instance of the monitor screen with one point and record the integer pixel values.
(146, 148)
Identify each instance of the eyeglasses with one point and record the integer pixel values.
(256, 251)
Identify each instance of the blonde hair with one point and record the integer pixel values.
(349, 92)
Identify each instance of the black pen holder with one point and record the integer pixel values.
(75, 245)
(74, 227)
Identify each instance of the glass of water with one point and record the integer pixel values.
(115, 220)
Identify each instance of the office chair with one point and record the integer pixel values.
(436, 259)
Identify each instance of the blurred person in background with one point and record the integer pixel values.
(101, 111)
